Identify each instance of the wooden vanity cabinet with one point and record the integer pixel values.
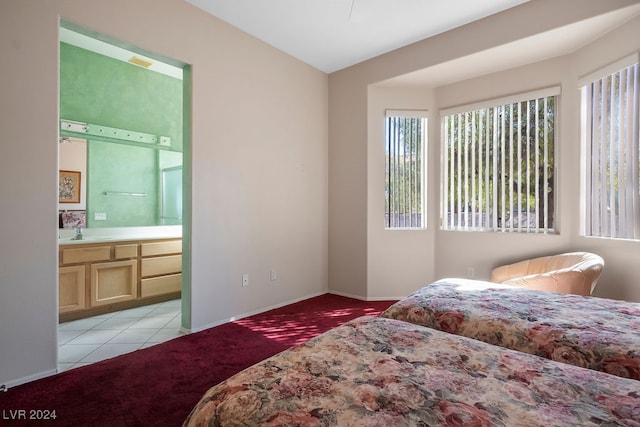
(96, 278)
(161, 268)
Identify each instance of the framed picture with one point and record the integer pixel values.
(69, 187)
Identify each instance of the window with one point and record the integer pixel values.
(498, 164)
(610, 116)
(404, 185)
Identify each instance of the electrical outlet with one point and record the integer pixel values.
(245, 280)
(100, 216)
(470, 272)
(273, 274)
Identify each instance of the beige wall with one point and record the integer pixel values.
(259, 166)
(398, 261)
(391, 266)
(458, 250)
(28, 176)
(348, 179)
(281, 159)
(620, 276)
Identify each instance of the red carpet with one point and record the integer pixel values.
(159, 385)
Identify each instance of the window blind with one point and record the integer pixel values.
(404, 186)
(498, 168)
(610, 118)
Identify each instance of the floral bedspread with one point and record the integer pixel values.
(375, 371)
(595, 333)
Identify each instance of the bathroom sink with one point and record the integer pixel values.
(90, 239)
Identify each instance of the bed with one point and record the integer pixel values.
(595, 333)
(375, 371)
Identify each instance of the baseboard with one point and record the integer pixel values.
(282, 304)
(14, 383)
(251, 313)
(361, 298)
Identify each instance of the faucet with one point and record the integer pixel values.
(79, 235)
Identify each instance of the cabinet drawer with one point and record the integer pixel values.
(161, 265)
(161, 248)
(86, 254)
(160, 285)
(126, 251)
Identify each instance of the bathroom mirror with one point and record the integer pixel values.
(122, 185)
(170, 170)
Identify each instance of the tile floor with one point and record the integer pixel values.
(85, 341)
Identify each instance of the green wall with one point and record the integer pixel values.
(117, 169)
(103, 91)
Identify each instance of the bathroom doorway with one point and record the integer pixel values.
(131, 192)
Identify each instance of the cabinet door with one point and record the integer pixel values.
(71, 295)
(113, 282)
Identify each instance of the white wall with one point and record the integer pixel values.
(259, 166)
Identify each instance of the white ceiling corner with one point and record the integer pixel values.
(334, 34)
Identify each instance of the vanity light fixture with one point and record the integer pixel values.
(72, 126)
(136, 60)
(113, 133)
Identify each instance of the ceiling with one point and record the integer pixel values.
(542, 46)
(334, 34)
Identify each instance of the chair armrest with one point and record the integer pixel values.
(507, 272)
(561, 281)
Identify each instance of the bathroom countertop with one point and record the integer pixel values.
(120, 235)
(110, 239)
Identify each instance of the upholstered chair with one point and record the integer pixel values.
(569, 273)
